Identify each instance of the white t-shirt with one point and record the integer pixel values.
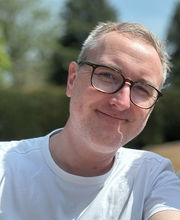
(33, 187)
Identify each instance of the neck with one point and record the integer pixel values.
(75, 156)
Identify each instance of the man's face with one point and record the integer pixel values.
(111, 120)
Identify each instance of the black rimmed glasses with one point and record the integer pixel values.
(110, 80)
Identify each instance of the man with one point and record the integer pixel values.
(83, 171)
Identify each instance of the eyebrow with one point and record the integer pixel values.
(113, 68)
(147, 83)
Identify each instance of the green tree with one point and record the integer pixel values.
(174, 45)
(5, 62)
(29, 38)
(79, 18)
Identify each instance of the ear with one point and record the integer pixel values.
(72, 73)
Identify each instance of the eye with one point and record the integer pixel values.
(143, 90)
(107, 75)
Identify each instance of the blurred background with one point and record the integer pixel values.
(38, 39)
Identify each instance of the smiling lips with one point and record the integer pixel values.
(116, 117)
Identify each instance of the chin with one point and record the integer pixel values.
(107, 142)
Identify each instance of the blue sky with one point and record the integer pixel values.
(154, 14)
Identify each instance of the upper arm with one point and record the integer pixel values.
(164, 196)
(166, 215)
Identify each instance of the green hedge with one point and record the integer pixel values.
(25, 114)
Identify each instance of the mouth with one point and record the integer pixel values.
(111, 116)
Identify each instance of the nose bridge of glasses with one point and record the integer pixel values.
(128, 82)
(124, 89)
(125, 82)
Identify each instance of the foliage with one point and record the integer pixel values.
(25, 114)
(29, 39)
(174, 44)
(79, 18)
(5, 62)
(171, 116)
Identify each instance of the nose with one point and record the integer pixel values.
(121, 99)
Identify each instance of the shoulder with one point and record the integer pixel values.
(19, 147)
(20, 161)
(141, 156)
(153, 178)
(14, 154)
(144, 163)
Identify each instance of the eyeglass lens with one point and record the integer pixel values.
(108, 80)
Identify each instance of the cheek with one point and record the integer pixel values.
(142, 119)
(80, 101)
(76, 106)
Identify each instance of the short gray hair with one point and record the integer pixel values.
(134, 30)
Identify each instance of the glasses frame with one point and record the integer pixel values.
(132, 83)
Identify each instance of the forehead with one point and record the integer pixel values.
(133, 56)
(117, 42)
